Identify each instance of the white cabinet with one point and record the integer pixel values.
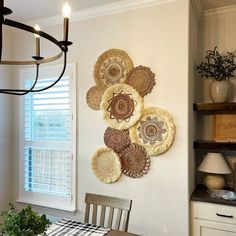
(209, 219)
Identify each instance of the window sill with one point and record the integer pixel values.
(50, 206)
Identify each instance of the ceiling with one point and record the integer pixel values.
(210, 4)
(27, 10)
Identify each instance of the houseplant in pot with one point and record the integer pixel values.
(220, 68)
(23, 223)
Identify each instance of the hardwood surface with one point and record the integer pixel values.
(214, 146)
(120, 233)
(229, 107)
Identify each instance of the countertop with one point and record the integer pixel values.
(201, 194)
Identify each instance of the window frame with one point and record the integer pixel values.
(40, 199)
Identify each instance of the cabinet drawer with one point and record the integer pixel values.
(214, 212)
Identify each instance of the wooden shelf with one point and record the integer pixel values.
(215, 107)
(215, 146)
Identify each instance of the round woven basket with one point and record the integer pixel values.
(122, 106)
(142, 79)
(106, 165)
(135, 161)
(112, 67)
(116, 139)
(155, 131)
(94, 97)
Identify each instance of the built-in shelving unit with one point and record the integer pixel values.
(201, 194)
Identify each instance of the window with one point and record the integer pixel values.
(48, 129)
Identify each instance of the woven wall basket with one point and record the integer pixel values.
(142, 79)
(117, 140)
(135, 161)
(94, 97)
(122, 106)
(155, 131)
(112, 67)
(106, 165)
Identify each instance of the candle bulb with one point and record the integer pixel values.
(37, 38)
(66, 13)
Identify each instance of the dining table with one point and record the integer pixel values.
(120, 233)
(68, 227)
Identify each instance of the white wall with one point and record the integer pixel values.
(6, 137)
(156, 37)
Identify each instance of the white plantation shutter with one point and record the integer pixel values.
(48, 113)
(49, 140)
(47, 171)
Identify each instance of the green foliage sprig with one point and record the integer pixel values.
(23, 223)
(217, 66)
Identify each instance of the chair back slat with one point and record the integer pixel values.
(118, 209)
(110, 218)
(102, 217)
(124, 227)
(94, 219)
(87, 210)
(118, 219)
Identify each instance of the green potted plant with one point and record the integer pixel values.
(23, 223)
(220, 68)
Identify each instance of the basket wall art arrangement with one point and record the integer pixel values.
(134, 132)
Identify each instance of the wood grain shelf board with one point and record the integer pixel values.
(213, 145)
(215, 107)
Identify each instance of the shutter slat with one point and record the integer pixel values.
(47, 169)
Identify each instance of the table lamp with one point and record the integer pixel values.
(216, 167)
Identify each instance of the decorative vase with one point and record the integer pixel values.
(219, 90)
(214, 181)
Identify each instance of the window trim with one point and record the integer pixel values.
(39, 199)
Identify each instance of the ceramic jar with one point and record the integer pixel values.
(219, 90)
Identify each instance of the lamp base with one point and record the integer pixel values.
(214, 181)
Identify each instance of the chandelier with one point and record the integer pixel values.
(37, 59)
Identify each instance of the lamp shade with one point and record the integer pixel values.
(214, 163)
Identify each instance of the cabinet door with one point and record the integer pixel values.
(212, 228)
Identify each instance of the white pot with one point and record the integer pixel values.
(219, 90)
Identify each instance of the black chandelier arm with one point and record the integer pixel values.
(62, 45)
(56, 81)
(25, 91)
(31, 29)
(19, 91)
(33, 62)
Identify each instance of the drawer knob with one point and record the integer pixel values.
(222, 215)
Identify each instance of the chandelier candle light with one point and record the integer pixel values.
(37, 38)
(66, 14)
(37, 58)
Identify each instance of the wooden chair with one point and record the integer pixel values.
(118, 209)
